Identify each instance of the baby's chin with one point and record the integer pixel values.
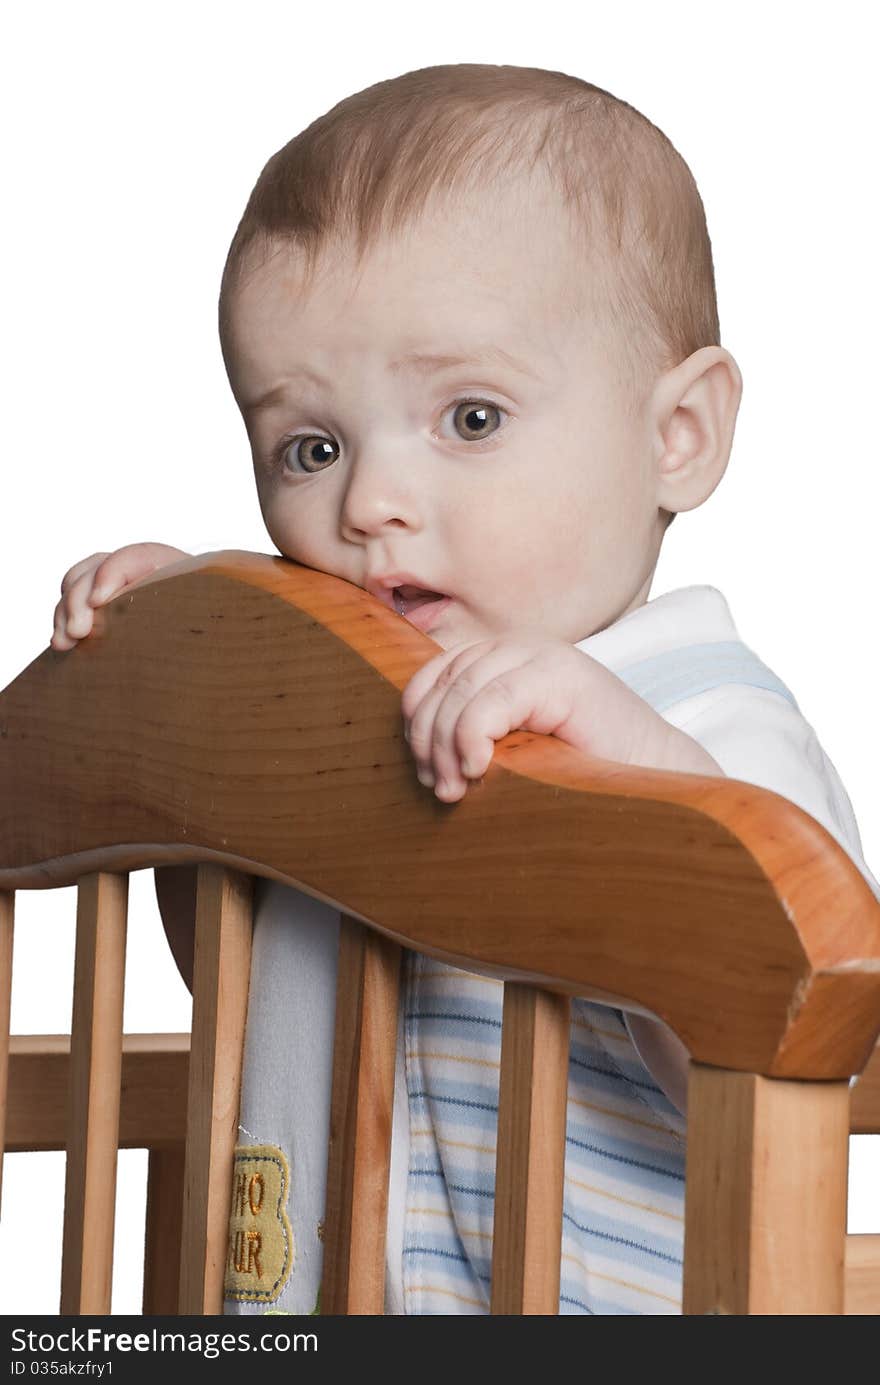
(452, 631)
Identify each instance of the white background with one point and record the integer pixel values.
(132, 137)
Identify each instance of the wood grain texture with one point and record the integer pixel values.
(7, 916)
(862, 1295)
(222, 971)
(359, 1150)
(246, 710)
(93, 1102)
(864, 1117)
(765, 1212)
(162, 1238)
(152, 1111)
(530, 1159)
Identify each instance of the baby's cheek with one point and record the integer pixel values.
(278, 526)
(290, 533)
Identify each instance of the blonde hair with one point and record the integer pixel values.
(367, 168)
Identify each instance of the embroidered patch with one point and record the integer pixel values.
(260, 1255)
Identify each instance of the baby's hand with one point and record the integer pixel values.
(464, 700)
(97, 579)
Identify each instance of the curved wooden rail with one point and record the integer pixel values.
(247, 711)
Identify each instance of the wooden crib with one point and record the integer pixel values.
(243, 713)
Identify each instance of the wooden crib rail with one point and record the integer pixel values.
(246, 711)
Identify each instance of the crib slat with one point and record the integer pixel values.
(162, 1230)
(93, 1102)
(359, 1152)
(7, 916)
(527, 1236)
(752, 1245)
(863, 1274)
(224, 912)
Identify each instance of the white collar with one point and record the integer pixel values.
(689, 615)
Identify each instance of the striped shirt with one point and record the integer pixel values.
(623, 1219)
(623, 1201)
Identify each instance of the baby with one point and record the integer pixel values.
(469, 318)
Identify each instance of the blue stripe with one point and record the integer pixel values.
(621, 1241)
(442, 1015)
(614, 1076)
(453, 1187)
(433, 1250)
(455, 1101)
(667, 678)
(625, 1159)
(575, 1302)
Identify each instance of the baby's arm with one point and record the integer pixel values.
(664, 1055)
(176, 897)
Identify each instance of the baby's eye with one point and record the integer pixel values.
(475, 419)
(307, 452)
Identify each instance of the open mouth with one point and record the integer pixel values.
(407, 599)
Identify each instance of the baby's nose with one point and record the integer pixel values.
(379, 494)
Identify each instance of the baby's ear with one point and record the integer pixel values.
(694, 415)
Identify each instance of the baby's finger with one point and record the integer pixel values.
(60, 639)
(426, 677)
(498, 687)
(512, 701)
(118, 569)
(86, 565)
(419, 729)
(63, 636)
(73, 614)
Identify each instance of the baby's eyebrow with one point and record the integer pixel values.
(421, 362)
(414, 362)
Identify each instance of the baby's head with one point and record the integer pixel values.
(546, 241)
